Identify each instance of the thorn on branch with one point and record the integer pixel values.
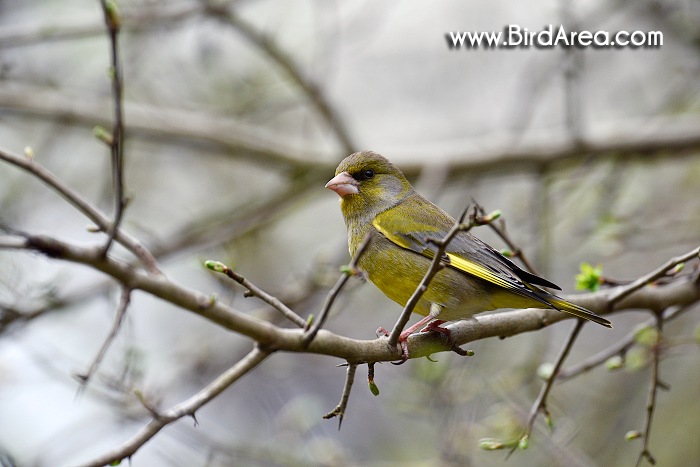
(339, 410)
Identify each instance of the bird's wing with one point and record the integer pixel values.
(465, 252)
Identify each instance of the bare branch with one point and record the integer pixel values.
(654, 386)
(661, 271)
(186, 408)
(113, 23)
(312, 90)
(231, 137)
(680, 292)
(435, 266)
(342, 406)
(124, 301)
(256, 291)
(540, 404)
(500, 228)
(82, 205)
(618, 348)
(349, 271)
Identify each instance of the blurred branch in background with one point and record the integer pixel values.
(261, 224)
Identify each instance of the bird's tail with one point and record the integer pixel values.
(563, 305)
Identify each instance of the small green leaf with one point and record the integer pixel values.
(103, 135)
(614, 363)
(117, 462)
(373, 388)
(491, 444)
(549, 421)
(636, 358)
(647, 336)
(493, 216)
(633, 434)
(545, 370)
(215, 266)
(589, 278)
(507, 253)
(112, 15)
(524, 442)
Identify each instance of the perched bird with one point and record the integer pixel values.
(376, 199)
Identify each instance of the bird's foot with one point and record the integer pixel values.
(435, 326)
(403, 344)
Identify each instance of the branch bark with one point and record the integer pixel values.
(680, 292)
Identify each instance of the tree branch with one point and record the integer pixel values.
(342, 406)
(348, 272)
(654, 386)
(682, 291)
(113, 23)
(268, 46)
(256, 291)
(184, 409)
(83, 206)
(124, 301)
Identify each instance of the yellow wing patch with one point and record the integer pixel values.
(456, 262)
(479, 271)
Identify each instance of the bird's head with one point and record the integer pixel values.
(368, 184)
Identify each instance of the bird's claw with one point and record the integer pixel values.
(403, 343)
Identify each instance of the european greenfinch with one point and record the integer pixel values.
(377, 200)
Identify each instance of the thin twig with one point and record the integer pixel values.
(540, 404)
(619, 348)
(256, 291)
(82, 205)
(186, 408)
(435, 266)
(342, 406)
(348, 272)
(113, 23)
(654, 386)
(661, 271)
(500, 229)
(124, 301)
(312, 90)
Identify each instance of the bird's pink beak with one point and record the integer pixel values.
(343, 184)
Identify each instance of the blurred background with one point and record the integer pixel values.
(237, 114)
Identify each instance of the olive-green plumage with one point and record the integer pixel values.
(376, 198)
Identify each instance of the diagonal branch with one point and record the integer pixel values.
(186, 408)
(293, 70)
(124, 301)
(540, 404)
(349, 271)
(618, 348)
(435, 266)
(274, 302)
(624, 291)
(82, 205)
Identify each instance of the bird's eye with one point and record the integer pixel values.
(367, 174)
